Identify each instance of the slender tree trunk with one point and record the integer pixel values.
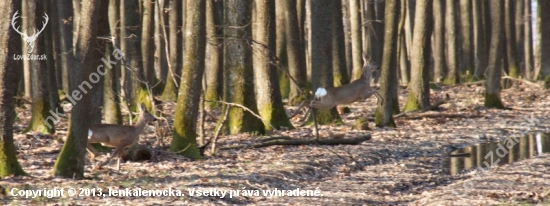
(372, 37)
(452, 76)
(480, 54)
(347, 36)
(402, 63)
(356, 40)
(8, 45)
(388, 78)
(41, 104)
(295, 51)
(542, 51)
(147, 42)
(439, 42)
(160, 50)
(175, 27)
(238, 71)
(466, 63)
(214, 49)
(338, 46)
(528, 41)
(111, 99)
(28, 25)
(379, 29)
(68, 60)
(321, 56)
(519, 24)
(510, 38)
(419, 90)
(492, 91)
(71, 161)
(281, 48)
(268, 96)
(185, 121)
(50, 44)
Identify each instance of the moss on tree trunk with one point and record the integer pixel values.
(493, 101)
(41, 111)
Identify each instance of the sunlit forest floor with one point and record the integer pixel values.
(402, 165)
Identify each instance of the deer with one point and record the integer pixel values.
(29, 39)
(355, 91)
(118, 136)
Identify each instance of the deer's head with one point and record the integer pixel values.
(29, 39)
(369, 66)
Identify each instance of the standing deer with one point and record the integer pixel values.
(29, 39)
(118, 136)
(355, 91)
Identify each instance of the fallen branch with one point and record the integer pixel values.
(248, 110)
(284, 140)
(522, 81)
(430, 108)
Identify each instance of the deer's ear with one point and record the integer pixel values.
(366, 57)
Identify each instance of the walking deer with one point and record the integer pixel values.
(355, 91)
(118, 136)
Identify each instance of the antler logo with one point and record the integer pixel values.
(29, 39)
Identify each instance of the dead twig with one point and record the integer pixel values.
(246, 109)
(291, 141)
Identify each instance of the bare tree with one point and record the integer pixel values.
(492, 93)
(439, 40)
(528, 41)
(452, 76)
(170, 91)
(419, 90)
(480, 51)
(214, 53)
(510, 38)
(466, 63)
(70, 162)
(8, 45)
(356, 40)
(185, 120)
(295, 51)
(542, 51)
(388, 78)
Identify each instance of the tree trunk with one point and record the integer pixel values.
(185, 120)
(129, 18)
(439, 41)
(466, 64)
(321, 56)
(40, 95)
(519, 24)
(281, 49)
(338, 46)
(111, 88)
(419, 90)
(542, 51)
(160, 50)
(379, 30)
(214, 49)
(8, 45)
(71, 161)
(170, 91)
(388, 77)
(347, 36)
(510, 38)
(403, 64)
(371, 34)
(268, 96)
(528, 41)
(147, 42)
(68, 60)
(295, 52)
(239, 83)
(452, 76)
(51, 45)
(356, 41)
(492, 90)
(480, 52)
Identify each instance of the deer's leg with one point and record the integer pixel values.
(302, 105)
(379, 97)
(115, 153)
(92, 150)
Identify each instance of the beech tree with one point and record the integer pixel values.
(492, 90)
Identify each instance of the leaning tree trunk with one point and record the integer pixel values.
(184, 138)
(214, 49)
(268, 96)
(452, 76)
(8, 45)
(439, 41)
(41, 106)
(419, 90)
(492, 90)
(238, 71)
(321, 55)
(71, 161)
(388, 78)
(295, 52)
(170, 91)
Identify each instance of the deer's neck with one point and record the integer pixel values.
(367, 76)
(140, 124)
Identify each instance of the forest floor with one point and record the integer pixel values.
(398, 166)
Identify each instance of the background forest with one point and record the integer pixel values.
(210, 68)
